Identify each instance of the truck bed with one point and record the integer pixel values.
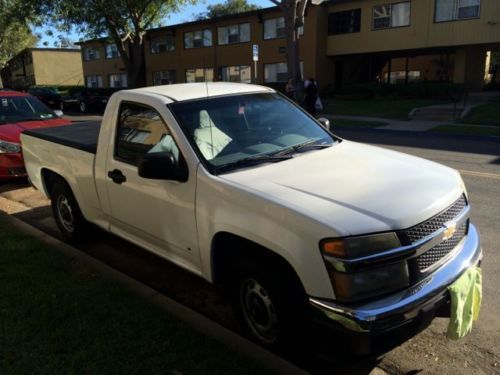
(82, 136)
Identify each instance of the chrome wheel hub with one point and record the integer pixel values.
(65, 213)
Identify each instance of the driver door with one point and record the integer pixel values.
(156, 214)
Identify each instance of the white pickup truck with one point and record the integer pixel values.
(238, 185)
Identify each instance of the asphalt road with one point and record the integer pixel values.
(478, 160)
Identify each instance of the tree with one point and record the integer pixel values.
(294, 12)
(124, 22)
(15, 35)
(226, 9)
(14, 38)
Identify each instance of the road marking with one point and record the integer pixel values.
(480, 174)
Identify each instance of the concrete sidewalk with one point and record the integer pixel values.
(403, 125)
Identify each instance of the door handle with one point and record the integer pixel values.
(117, 176)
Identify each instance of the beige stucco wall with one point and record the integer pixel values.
(270, 51)
(423, 32)
(57, 67)
(102, 66)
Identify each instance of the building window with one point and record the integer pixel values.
(199, 75)
(198, 39)
(278, 72)
(118, 80)
(345, 22)
(164, 43)
(91, 53)
(164, 77)
(233, 34)
(112, 51)
(274, 28)
(391, 15)
(241, 73)
(93, 81)
(400, 76)
(452, 10)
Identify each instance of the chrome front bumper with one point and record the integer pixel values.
(403, 307)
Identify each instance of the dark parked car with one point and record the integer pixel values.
(48, 95)
(84, 99)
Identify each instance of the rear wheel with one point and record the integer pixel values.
(67, 214)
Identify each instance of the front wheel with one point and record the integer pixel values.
(272, 307)
(67, 214)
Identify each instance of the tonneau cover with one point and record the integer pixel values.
(82, 136)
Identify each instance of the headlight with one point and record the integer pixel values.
(362, 283)
(355, 247)
(9, 147)
(350, 287)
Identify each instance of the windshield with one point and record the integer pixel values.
(23, 108)
(230, 130)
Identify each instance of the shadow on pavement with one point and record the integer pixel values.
(14, 184)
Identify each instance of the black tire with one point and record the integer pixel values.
(67, 213)
(82, 106)
(263, 292)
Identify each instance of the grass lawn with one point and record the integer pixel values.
(57, 317)
(468, 129)
(486, 114)
(355, 123)
(388, 108)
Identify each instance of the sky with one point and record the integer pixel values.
(186, 14)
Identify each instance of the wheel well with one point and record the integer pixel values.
(49, 178)
(229, 249)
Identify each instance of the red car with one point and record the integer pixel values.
(18, 112)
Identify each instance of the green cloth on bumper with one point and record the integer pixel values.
(466, 297)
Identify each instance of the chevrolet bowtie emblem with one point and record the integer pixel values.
(450, 230)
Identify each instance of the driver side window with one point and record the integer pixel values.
(141, 130)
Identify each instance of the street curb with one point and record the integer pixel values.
(199, 322)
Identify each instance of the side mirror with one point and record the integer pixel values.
(324, 122)
(58, 113)
(162, 166)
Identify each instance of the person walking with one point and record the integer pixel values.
(311, 89)
(290, 90)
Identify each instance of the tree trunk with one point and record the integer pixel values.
(136, 70)
(292, 47)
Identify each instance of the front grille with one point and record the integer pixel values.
(438, 252)
(435, 255)
(432, 225)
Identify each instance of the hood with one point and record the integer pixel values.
(12, 132)
(354, 188)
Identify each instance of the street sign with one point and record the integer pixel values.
(255, 50)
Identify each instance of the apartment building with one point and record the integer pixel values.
(212, 50)
(342, 42)
(43, 66)
(406, 40)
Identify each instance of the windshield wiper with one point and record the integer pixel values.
(309, 145)
(252, 160)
